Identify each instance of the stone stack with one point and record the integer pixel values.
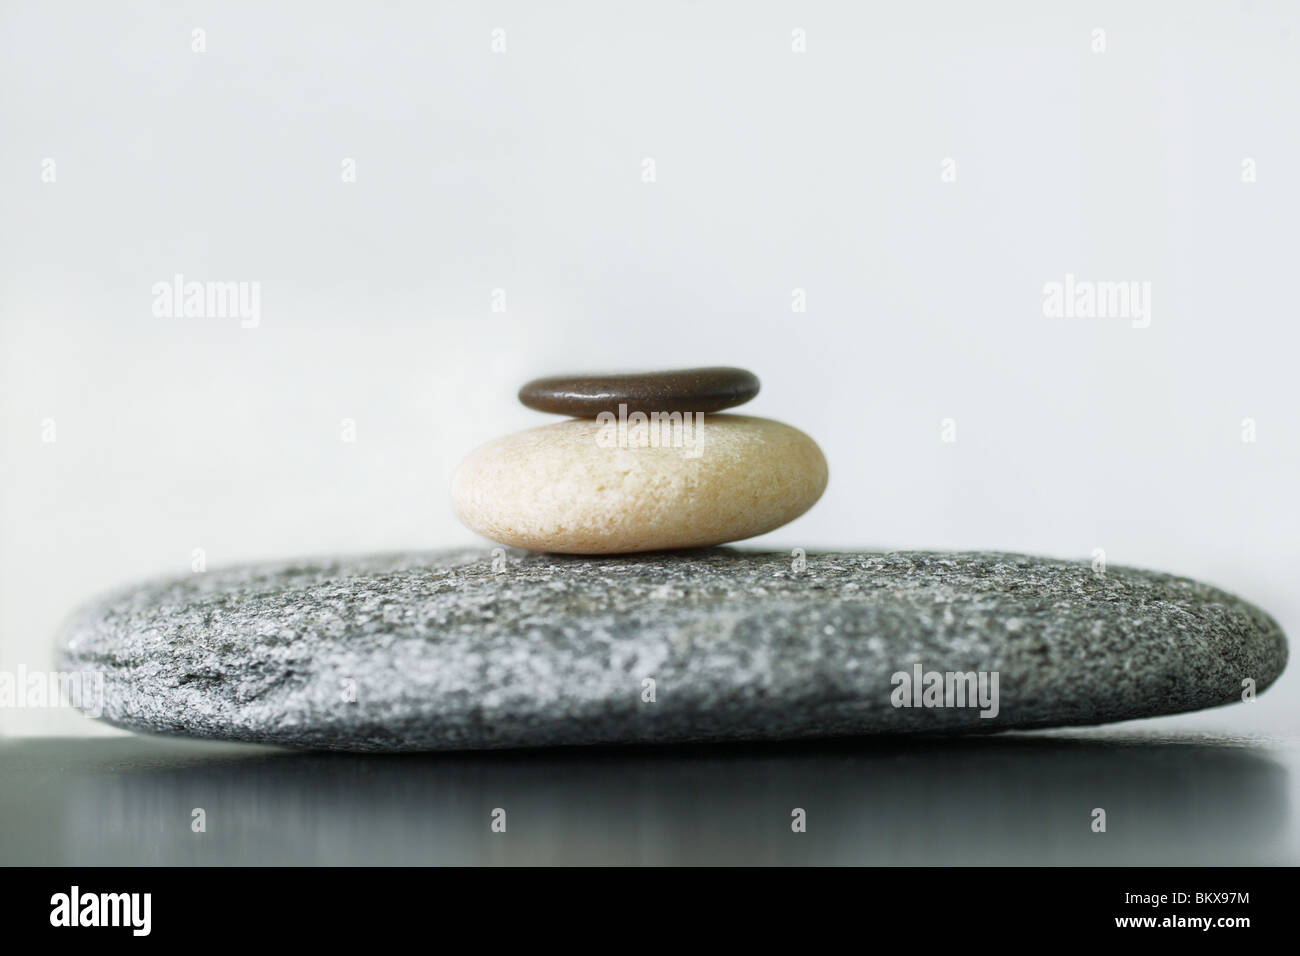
(644, 464)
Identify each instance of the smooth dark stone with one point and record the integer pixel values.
(687, 390)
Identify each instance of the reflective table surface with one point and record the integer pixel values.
(1186, 799)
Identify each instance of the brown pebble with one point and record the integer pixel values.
(688, 390)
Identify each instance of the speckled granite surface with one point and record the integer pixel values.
(441, 650)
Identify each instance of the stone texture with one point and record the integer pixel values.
(444, 652)
(572, 488)
(686, 390)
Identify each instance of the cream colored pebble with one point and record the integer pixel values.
(561, 488)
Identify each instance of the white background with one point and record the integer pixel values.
(523, 171)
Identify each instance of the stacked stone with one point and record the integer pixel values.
(644, 464)
(445, 651)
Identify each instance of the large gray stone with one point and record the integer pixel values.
(441, 650)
